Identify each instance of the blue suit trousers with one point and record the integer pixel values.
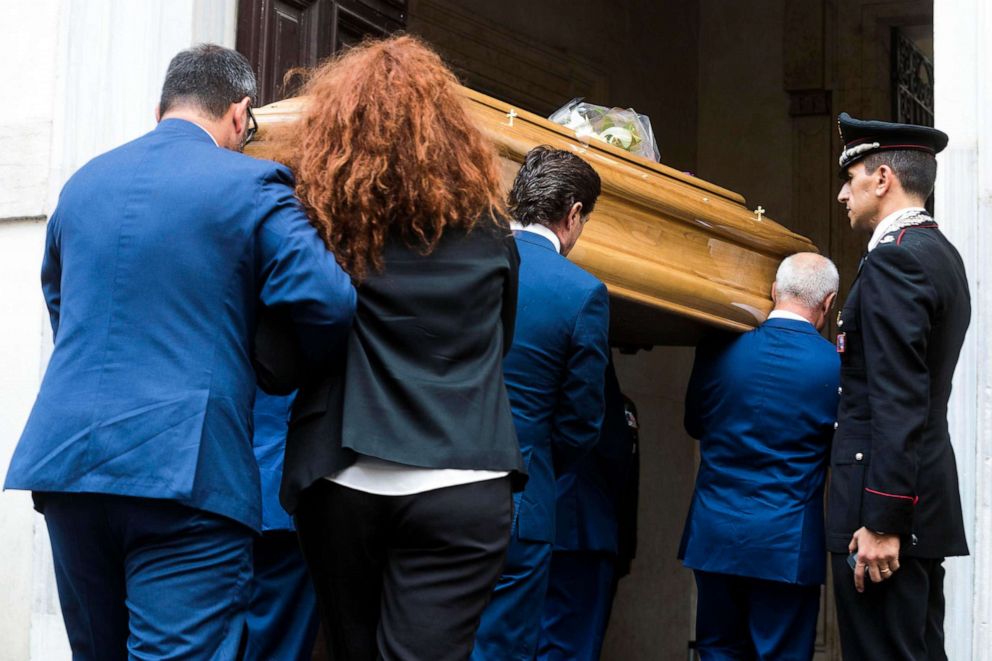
(147, 579)
(577, 608)
(282, 617)
(751, 619)
(511, 623)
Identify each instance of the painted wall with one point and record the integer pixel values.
(29, 39)
(28, 52)
(963, 57)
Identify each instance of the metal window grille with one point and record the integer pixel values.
(912, 82)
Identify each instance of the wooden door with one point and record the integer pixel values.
(278, 36)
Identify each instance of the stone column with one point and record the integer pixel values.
(963, 59)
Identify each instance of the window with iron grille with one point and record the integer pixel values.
(912, 82)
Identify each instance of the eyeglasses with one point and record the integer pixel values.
(252, 128)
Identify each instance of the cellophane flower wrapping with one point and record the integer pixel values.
(621, 127)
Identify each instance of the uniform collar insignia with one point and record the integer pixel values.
(896, 222)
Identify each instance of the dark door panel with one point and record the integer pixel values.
(278, 36)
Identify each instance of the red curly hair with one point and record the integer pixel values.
(386, 145)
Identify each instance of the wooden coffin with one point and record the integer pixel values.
(676, 252)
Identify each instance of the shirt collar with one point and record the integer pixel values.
(785, 314)
(540, 230)
(887, 224)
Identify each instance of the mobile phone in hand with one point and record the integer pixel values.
(852, 560)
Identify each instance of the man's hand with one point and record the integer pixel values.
(878, 556)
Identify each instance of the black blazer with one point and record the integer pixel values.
(892, 465)
(421, 381)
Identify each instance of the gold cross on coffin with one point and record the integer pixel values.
(510, 116)
(759, 212)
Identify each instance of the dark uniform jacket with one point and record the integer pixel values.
(902, 326)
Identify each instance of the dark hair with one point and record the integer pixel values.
(549, 182)
(916, 170)
(209, 77)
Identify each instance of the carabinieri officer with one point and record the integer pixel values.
(894, 502)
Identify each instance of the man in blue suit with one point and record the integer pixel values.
(763, 406)
(554, 373)
(282, 613)
(139, 446)
(586, 566)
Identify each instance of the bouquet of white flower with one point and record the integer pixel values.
(624, 128)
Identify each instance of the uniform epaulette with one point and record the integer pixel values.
(891, 237)
(897, 233)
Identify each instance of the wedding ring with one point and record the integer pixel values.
(886, 571)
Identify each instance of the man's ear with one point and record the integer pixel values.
(775, 293)
(828, 303)
(575, 214)
(158, 113)
(240, 115)
(883, 179)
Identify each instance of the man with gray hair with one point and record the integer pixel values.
(139, 447)
(763, 405)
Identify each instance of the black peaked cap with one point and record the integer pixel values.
(862, 137)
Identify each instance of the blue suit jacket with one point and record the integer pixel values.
(554, 375)
(590, 495)
(763, 406)
(155, 262)
(271, 418)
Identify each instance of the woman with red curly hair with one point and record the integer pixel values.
(405, 537)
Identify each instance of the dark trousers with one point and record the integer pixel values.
(900, 619)
(577, 607)
(404, 577)
(147, 579)
(743, 618)
(281, 624)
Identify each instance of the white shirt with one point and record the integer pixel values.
(387, 478)
(785, 314)
(890, 223)
(540, 230)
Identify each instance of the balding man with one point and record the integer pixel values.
(763, 406)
